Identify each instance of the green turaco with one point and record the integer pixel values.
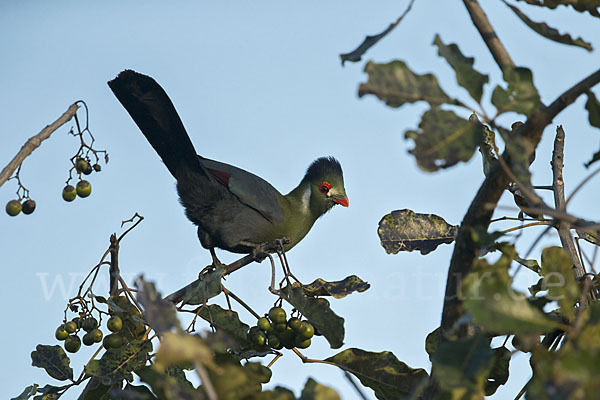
(233, 209)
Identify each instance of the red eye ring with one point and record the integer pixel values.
(324, 187)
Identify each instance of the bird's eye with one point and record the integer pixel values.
(324, 187)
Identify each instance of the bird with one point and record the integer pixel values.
(233, 209)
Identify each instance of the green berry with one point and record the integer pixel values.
(88, 340)
(69, 193)
(280, 327)
(257, 336)
(28, 207)
(112, 341)
(295, 324)
(71, 326)
(13, 208)
(274, 342)
(114, 324)
(89, 324)
(303, 344)
(72, 344)
(264, 324)
(61, 333)
(96, 335)
(81, 165)
(84, 188)
(307, 330)
(277, 315)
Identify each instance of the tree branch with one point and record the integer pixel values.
(483, 25)
(564, 228)
(35, 141)
(177, 296)
(481, 210)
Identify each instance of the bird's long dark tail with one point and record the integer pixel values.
(155, 115)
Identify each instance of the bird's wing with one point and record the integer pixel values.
(252, 190)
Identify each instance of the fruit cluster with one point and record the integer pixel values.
(14, 207)
(276, 331)
(83, 187)
(68, 332)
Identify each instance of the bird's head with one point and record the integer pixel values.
(326, 182)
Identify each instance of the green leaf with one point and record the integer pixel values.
(559, 279)
(548, 32)
(96, 390)
(496, 306)
(466, 75)
(131, 392)
(117, 364)
(499, 373)
(167, 387)
(592, 105)
(464, 365)
(54, 360)
(278, 393)
(27, 393)
(395, 84)
(315, 391)
(521, 96)
(590, 6)
(510, 251)
(177, 349)
(234, 381)
(431, 342)
(382, 372)
(227, 321)
(370, 41)
(206, 287)
(338, 289)
(318, 313)
(158, 313)
(444, 139)
(405, 230)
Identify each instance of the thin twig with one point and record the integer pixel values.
(206, 382)
(581, 184)
(355, 385)
(525, 226)
(35, 141)
(236, 298)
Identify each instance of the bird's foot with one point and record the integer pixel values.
(216, 262)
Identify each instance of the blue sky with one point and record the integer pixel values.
(258, 85)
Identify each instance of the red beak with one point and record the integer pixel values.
(343, 201)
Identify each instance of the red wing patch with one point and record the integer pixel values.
(222, 176)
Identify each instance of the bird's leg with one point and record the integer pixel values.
(283, 258)
(286, 275)
(216, 262)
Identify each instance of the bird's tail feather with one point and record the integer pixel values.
(155, 115)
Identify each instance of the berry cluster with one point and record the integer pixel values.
(67, 332)
(83, 188)
(276, 331)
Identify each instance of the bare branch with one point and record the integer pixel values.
(35, 141)
(564, 228)
(483, 25)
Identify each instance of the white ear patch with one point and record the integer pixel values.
(306, 198)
